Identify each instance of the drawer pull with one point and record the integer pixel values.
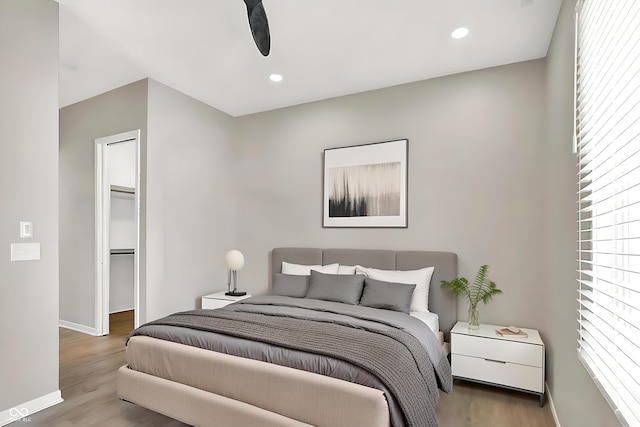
(495, 361)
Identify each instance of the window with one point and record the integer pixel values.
(608, 147)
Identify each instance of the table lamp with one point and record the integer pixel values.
(235, 262)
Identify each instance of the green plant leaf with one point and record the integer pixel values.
(481, 289)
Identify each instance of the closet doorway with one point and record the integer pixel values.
(117, 160)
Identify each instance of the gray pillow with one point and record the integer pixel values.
(387, 295)
(289, 285)
(336, 287)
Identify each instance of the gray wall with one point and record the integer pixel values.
(186, 183)
(578, 402)
(475, 151)
(117, 111)
(191, 198)
(29, 175)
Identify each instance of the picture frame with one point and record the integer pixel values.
(366, 185)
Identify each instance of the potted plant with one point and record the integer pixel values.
(481, 289)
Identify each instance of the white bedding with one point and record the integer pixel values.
(429, 319)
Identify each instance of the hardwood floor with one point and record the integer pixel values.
(477, 405)
(88, 367)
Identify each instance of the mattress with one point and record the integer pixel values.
(429, 319)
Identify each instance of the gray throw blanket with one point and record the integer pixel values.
(397, 358)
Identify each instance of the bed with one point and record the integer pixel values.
(187, 381)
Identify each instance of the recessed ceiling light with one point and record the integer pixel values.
(459, 33)
(275, 77)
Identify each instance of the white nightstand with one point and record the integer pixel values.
(485, 356)
(219, 300)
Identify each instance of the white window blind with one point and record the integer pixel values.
(608, 147)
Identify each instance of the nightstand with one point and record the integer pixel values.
(484, 356)
(219, 300)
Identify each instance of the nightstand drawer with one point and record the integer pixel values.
(508, 374)
(521, 353)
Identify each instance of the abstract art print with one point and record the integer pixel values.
(366, 185)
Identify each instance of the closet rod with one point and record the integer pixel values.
(122, 252)
(120, 189)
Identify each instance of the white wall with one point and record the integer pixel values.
(578, 402)
(122, 230)
(121, 289)
(29, 177)
(122, 227)
(121, 162)
(475, 171)
(191, 199)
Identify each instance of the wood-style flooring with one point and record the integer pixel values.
(88, 367)
(477, 405)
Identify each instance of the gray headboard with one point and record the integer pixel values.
(441, 301)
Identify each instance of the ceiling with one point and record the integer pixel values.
(323, 48)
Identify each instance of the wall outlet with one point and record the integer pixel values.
(25, 251)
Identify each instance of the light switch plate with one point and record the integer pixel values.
(25, 251)
(26, 229)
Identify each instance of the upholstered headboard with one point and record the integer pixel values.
(441, 301)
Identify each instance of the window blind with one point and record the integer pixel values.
(608, 150)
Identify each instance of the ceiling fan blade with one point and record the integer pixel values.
(259, 25)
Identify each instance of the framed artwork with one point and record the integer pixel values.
(366, 185)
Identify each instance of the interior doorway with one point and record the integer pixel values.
(117, 227)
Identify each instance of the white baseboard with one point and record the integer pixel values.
(552, 406)
(79, 328)
(25, 410)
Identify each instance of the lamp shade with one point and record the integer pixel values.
(235, 260)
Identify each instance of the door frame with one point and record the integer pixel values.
(102, 229)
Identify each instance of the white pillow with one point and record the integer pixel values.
(305, 270)
(346, 269)
(421, 278)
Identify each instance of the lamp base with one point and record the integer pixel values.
(235, 293)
